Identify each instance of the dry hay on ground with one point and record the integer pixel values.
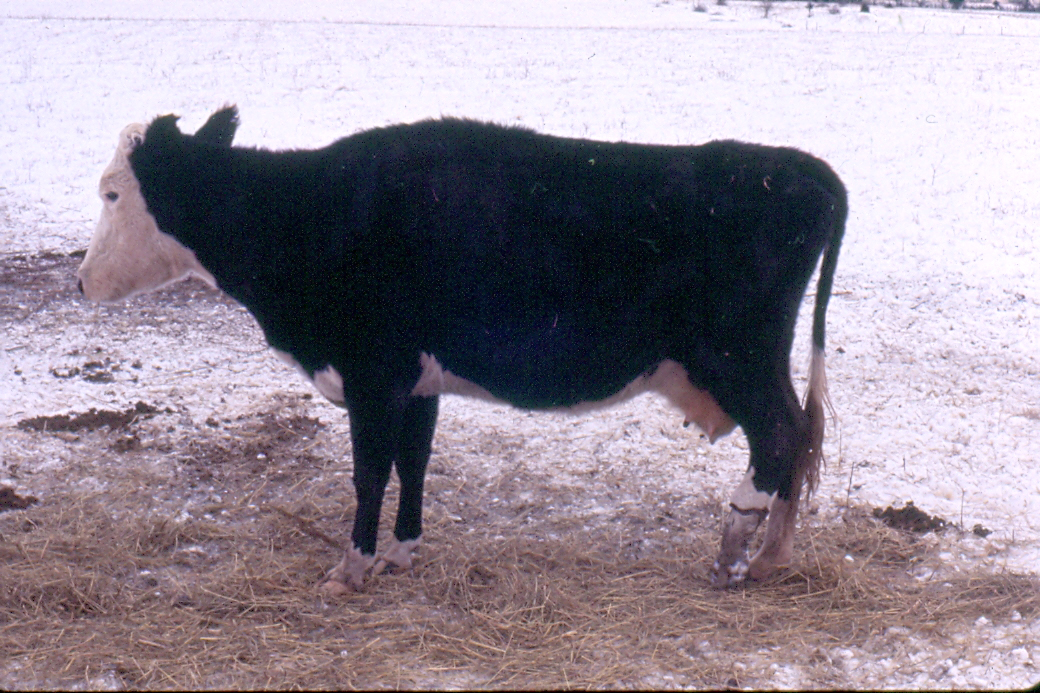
(130, 587)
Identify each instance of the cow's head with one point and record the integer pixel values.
(128, 253)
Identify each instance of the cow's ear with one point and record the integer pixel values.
(163, 126)
(220, 128)
(161, 131)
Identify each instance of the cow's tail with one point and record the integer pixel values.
(816, 396)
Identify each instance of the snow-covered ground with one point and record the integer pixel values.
(932, 119)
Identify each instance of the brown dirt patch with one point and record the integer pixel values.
(910, 518)
(9, 500)
(90, 420)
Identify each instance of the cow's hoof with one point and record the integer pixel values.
(730, 576)
(335, 588)
(731, 566)
(349, 575)
(763, 567)
(398, 557)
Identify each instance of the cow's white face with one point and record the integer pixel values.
(128, 254)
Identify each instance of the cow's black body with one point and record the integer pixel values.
(548, 271)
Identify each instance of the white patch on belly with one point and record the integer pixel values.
(669, 379)
(435, 380)
(327, 380)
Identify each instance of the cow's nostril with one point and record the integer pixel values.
(79, 283)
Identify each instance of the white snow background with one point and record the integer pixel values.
(931, 117)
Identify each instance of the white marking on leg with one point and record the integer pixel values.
(748, 507)
(399, 555)
(745, 497)
(731, 566)
(349, 574)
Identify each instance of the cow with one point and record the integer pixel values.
(454, 256)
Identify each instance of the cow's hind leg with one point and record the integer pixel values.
(413, 454)
(777, 430)
(778, 543)
(748, 508)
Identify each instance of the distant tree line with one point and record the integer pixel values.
(1007, 5)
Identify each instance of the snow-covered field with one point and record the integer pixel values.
(932, 119)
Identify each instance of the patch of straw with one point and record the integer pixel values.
(109, 589)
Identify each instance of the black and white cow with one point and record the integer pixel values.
(451, 256)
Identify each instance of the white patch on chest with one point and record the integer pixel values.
(669, 379)
(327, 380)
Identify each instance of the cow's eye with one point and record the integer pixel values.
(112, 196)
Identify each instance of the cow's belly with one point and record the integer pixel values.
(668, 379)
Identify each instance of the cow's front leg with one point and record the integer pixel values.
(748, 507)
(413, 454)
(373, 432)
(398, 556)
(349, 574)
